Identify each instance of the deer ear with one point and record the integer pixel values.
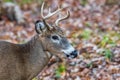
(39, 27)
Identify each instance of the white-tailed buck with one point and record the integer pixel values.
(25, 61)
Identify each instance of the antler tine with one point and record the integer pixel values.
(62, 18)
(49, 13)
(42, 7)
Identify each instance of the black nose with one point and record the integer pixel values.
(74, 54)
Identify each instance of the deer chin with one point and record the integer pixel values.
(70, 52)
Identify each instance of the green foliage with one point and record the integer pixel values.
(83, 2)
(107, 40)
(24, 1)
(86, 34)
(8, 0)
(34, 79)
(108, 54)
(89, 65)
(104, 41)
(57, 74)
(61, 69)
(30, 1)
(87, 24)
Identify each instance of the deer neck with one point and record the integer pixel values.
(35, 56)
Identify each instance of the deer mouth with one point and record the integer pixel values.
(70, 52)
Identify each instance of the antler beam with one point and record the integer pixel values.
(49, 13)
(62, 18)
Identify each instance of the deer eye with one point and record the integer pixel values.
(55, 37)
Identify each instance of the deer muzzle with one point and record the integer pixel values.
(73, 54)
(70, 52)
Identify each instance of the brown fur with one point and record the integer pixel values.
(22, 61)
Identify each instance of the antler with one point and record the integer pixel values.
(62, 18)
(49, 13)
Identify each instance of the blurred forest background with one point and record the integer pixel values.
(93, 28)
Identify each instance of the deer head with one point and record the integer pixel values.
(52, 37)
